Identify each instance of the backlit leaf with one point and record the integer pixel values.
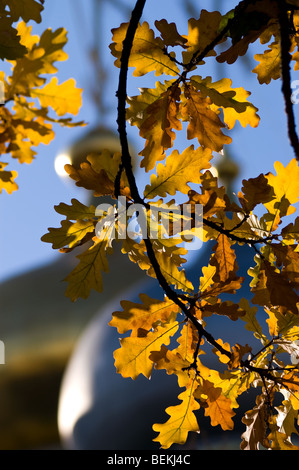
(155, 112)
(182, 419)
(218, 407)
(201, 33)
(64, 98)
(204, 123)
(144, 315)
(233, 101)
(147, 53)
(178, 171)
(87, 275)
(7, 179)
(133, 357)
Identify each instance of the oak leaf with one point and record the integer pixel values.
(233, 101)
(64, 98)
(155, 112)
(69, 234)
(201, 32)
(237, 354)
(147, 53)
(224, 259)
(133, 357)
(256, 425)
(144, 315)
(75, 211)
(269, 64)
(98, 174)
(7, 179)
(217, 406)
(182, 419)
(10, 45)
(87, 275)
(178, 171)
(27, 10)
(255, 191)
(249, 317)
(169, 34)
(204, 123)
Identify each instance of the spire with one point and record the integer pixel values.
(228, 170)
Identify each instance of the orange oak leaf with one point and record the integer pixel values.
(217, 406)
(143, 315)
(224, 259)
(204, 123)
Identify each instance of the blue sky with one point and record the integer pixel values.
(26, 214)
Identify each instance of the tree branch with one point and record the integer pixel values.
(126, 164)
(285, 46)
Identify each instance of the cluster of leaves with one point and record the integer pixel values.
(32, 103)
(209, 108)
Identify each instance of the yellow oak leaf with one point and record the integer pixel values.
(178, 171)
(155, 112)
(147, 53)
(76, 211)
(169, 33)
(201, 32)
(238, 352)
(64, 98)
(133, 357)
(169, 264)
(285, 182)
(173, 363)
(87, 275)
(144, 315)
(98, 174)
(188, 342)
(182, 419)
(269, 64)
(218, 407)
(207, 279)
(280, 440)
(286, 193)
(26, 38)
(204, 123)
(232, 383)
(251, 321)
(69, 234)
(222, 357)
(224, 259)
(28, 72)
(7, 179)
(233, 101)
